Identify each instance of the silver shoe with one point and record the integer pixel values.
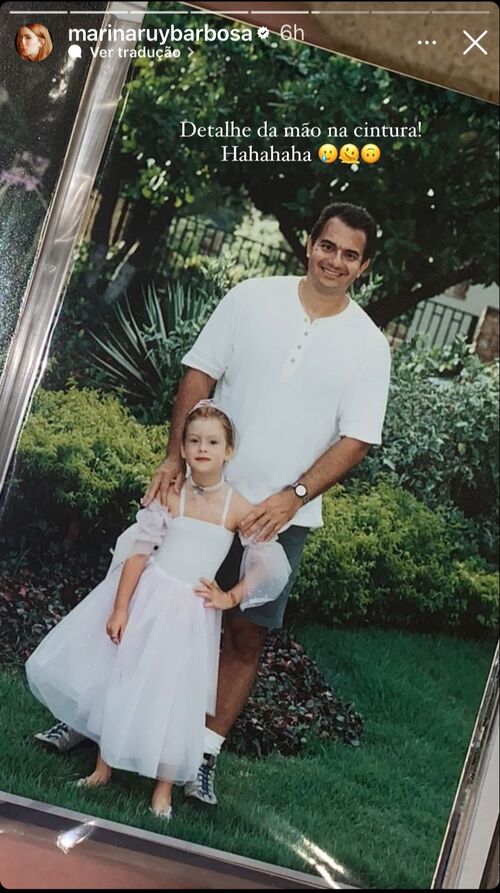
(82, 783)
(85, 783)
(165, 814)
(60, 737)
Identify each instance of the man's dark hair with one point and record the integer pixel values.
(352, 215)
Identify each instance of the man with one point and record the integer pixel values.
(304, 374)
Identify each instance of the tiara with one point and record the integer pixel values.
(212, 403)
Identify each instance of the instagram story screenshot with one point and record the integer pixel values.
(249, 303)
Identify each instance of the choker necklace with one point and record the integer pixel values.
(198, 490)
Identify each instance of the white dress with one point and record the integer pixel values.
(144, 701)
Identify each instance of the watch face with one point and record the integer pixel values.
(301, 490)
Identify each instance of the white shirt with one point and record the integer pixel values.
(292, 386)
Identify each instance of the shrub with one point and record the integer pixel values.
(477, 592)
(83, 310)
(82, 460)
(32, 603)
(289, 703)
(26, 615)
(134, 347)
(383, 557)
(142, 360)
(441, 434)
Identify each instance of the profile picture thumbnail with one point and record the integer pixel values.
(33, 42)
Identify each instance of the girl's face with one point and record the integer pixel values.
(205, 448)
(30, 44)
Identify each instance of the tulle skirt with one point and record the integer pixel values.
(142, 701)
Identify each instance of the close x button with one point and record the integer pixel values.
(475, 42)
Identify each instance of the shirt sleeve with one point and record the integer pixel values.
(363, 408)
(265, 570)
(214, 346)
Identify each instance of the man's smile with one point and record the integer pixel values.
(334, 274)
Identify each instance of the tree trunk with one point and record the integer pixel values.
(269, 203)
(385, 309)
(291, 237)
(133, 268)
(109, 190)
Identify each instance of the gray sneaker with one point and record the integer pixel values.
(60, 737)
(201, 790)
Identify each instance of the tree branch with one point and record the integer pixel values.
(388, 308)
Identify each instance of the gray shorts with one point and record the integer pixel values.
(270, 614)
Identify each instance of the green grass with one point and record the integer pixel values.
(379, 810)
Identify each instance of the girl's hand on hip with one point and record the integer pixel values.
(116, 624)
(214, 596)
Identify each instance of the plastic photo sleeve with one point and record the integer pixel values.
(155, 163)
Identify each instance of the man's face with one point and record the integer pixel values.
(336, 257)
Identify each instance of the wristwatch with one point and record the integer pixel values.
(300, 490)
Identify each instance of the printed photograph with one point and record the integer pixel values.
(249, 574)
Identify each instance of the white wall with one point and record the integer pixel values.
(477, 298)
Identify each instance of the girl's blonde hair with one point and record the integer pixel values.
(40, 31)
(209, 411)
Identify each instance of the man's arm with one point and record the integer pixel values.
(206, 362)
(265, 519)
(195, 385)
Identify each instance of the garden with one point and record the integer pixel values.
(370, 695)
(347, 756)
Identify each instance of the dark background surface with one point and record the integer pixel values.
(38, 104)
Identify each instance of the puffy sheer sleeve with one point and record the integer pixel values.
(265, 570)
(151, 525)
(142, 537)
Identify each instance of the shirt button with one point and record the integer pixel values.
(292, 360)
(306, 333)
(299, 346)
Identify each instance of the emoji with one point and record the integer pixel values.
(328, 153)
(370, 153)
(349, 154)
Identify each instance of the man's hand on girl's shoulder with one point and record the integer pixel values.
(170, 473)
(264, 521)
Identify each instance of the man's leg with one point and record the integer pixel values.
(238, 664)
(244, 636)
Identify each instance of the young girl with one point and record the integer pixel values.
(134, 665)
